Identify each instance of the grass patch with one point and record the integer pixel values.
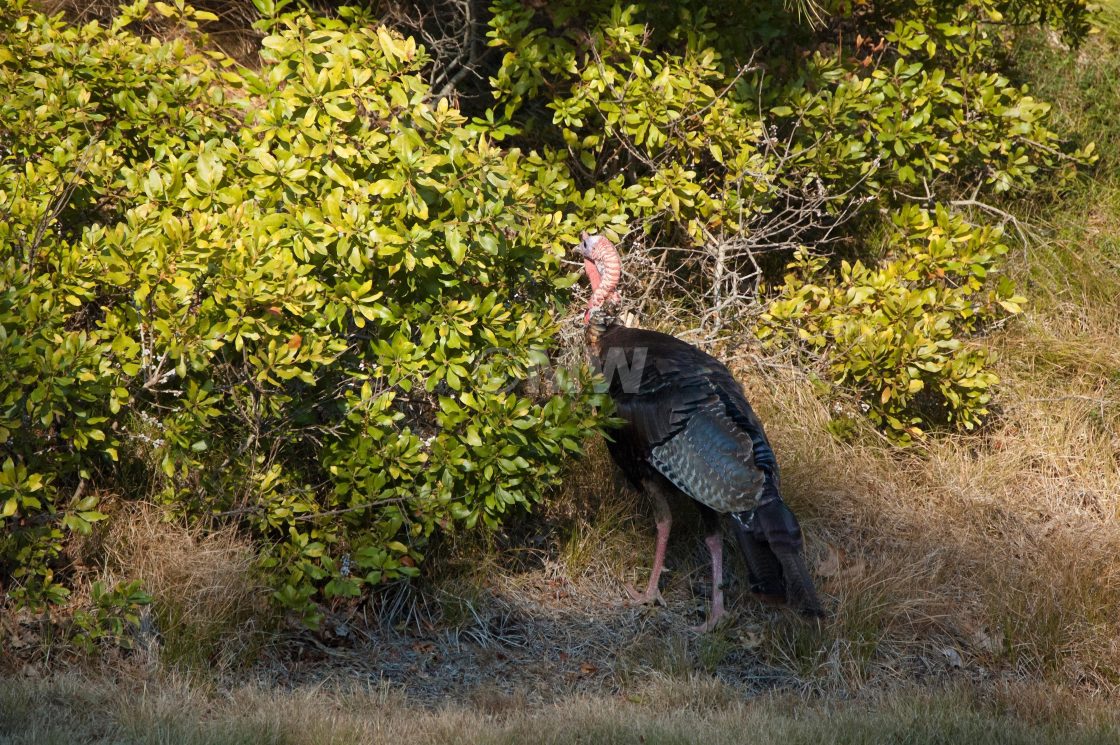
(68, 709)
(208, 603)
(209, 611)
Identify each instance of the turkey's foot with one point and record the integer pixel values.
(718, 613)
(713, 621)
(652, 596)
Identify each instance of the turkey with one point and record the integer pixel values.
(689, 429)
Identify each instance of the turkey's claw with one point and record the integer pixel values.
(709, 625)
(719, 612)
(652, 596)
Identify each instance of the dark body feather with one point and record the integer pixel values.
(689, 428)
(687, 420)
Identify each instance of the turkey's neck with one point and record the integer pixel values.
(598, 326)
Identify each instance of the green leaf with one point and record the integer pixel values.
(455, 245)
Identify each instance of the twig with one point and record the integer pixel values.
(1020, 228)
(60, 200)
(254, 509)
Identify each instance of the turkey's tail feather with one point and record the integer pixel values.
(770, 539)
(764, 571)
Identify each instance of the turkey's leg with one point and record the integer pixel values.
(714, 540)
(664, 519)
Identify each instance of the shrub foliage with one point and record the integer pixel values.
(273, 296)
(893, 333)
(299, 296)
(730, 135)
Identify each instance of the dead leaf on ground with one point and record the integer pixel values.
(836, 563)
(988, 641)
(751, 639)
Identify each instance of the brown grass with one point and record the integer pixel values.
(208, 604)
(66, 709)
(1002, 547)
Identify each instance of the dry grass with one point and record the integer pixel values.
(1000, 549)
(208, 604)
(209, 610)
(67, 709)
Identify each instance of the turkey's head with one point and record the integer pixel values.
(604, 269)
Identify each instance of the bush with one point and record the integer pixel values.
(270, 297)
(893, 333)
(696, 125)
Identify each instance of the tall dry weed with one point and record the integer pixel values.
(208, 602)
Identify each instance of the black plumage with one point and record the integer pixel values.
(688, 428)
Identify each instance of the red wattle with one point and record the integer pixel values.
(592, 273)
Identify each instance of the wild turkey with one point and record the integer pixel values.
(688, 428)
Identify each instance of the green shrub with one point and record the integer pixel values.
(269, 296)
(893, 332)
(114, 615)
(659, 110)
